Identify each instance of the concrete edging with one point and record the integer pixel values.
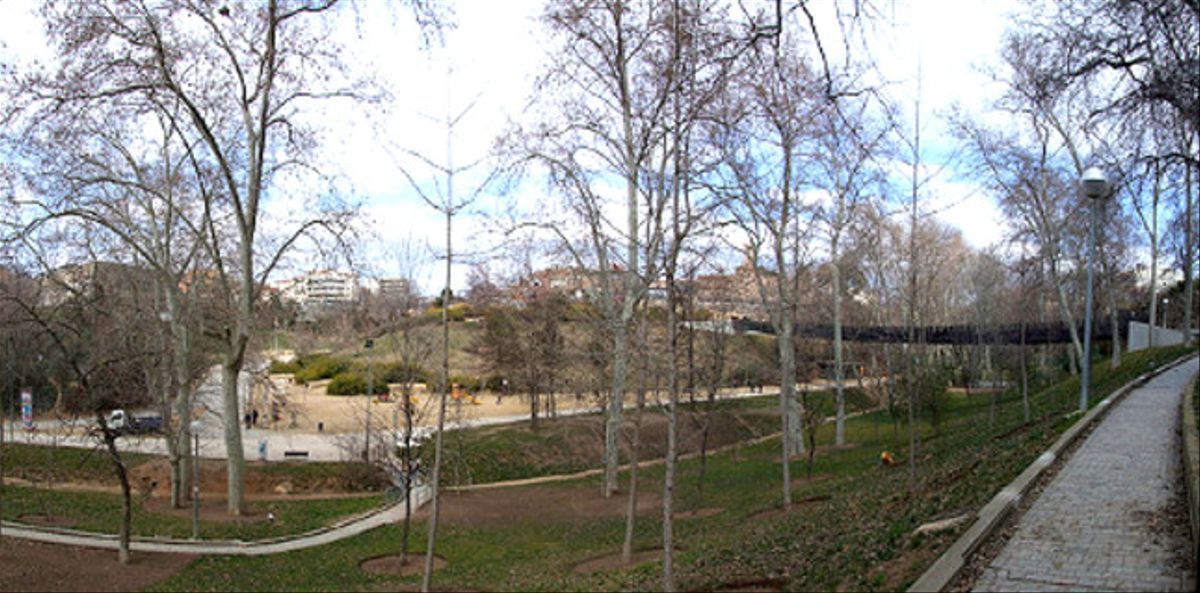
(951, 563)
(1191, 460)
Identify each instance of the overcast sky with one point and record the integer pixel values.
(496, 50)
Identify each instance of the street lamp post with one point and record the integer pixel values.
(195, 426)
(370, 392)
(1095, 187)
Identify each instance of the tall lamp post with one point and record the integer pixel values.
(195, 427)
(1095, 186)
(366, 455)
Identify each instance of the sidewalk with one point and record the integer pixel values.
(1099, 525)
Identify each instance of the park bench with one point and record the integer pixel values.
(295, 454)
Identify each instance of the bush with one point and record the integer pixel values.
(399, 373)
(279, 367)
(581, 311)
(457, 312)
(324, 367)
(353, 383)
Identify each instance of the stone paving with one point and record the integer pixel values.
(1098, 524)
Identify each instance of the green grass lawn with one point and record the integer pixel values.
(859, 538)
(101, 512)
(572, 444)
(98, 511)
(55, 464)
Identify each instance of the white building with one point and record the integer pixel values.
(396, 289)
(320, 288)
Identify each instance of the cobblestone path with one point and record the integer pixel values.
(1100, 525)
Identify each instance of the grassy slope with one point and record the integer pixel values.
(860, 539)
(100, 511)
(516, 452)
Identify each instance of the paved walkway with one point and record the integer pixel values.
(1097, 526)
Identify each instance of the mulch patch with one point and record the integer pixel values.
(541, 503)
(34, 566)
(389, 565)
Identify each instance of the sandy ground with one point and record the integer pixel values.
(308, 405)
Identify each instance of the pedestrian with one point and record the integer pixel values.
(254, 417)
(320, 427)
(246, 419)
(262, 450)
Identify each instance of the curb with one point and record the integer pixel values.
(1191, 460)
(951, 563)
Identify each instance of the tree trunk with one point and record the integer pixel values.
(180, 450)
(2, 464)
(406, 466)
(672, 440)
(110, 442)
(787, 374)
(1114, 321)
(1153, 317)
(434, 508)
(631, 507)
(533, 409)
(1068, 318)
(1024, 374)
(1189, 254)
(787, 390)
(230, 370)
(838, 371)
(616, 399)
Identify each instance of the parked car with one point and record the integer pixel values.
(124, 423)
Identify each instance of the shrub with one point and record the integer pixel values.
(279, 367)
(456, 312)
(324, 367)
(397, 372)
(493, 383)
(353, 383)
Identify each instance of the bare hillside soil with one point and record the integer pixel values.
(32, 566)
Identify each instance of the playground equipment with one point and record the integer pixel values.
(457, 393)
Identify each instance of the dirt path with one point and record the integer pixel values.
(33, 566)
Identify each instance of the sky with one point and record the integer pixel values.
(488, 61)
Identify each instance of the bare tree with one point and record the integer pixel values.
(93, 343)
(848, 149)
(606, 90)
(240, 116)
(761, 138)
(440, 195)
(102, 168)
